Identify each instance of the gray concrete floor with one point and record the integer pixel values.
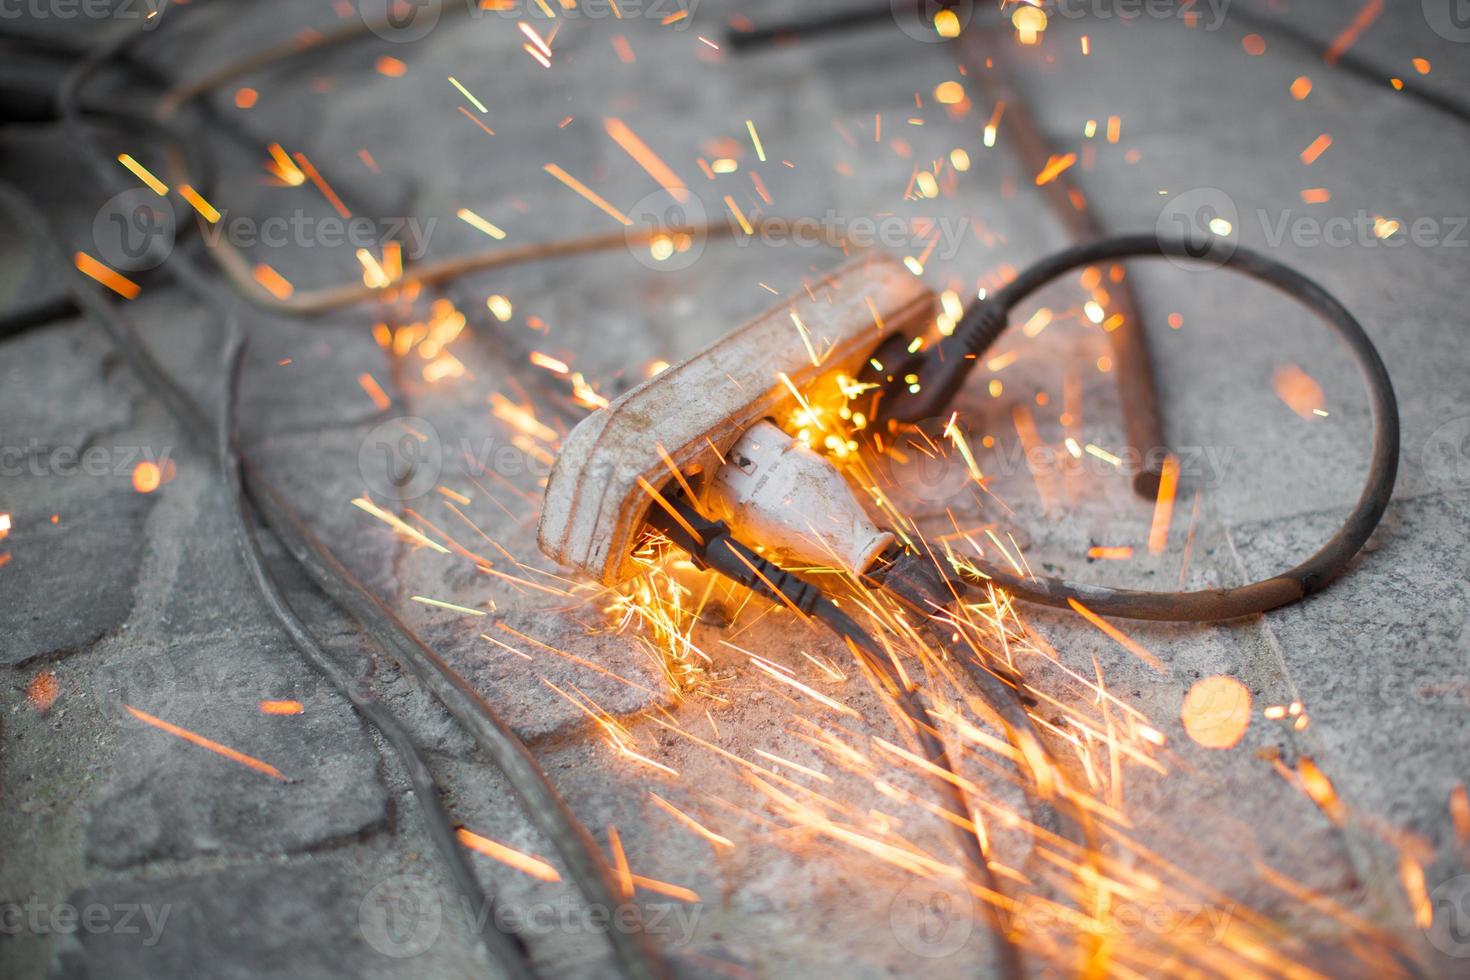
(120, 598)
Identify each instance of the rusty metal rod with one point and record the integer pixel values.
(1137, 393)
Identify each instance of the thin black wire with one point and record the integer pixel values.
(505, 949)
(587, 868)
(943, 370)
(710, 545)
(1349, 61)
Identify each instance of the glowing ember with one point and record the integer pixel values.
(43, 691)
(205, 743)
(1299, 390)
(1216, 711)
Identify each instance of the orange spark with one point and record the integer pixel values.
(246, 98)
(273, 282)
(690, 822)
(1158, 534)
(206, 210)
(205, 743)
(1365, 16)
(391, 67)
(646, 158)
(1460, 813)
(664, 888)
(375, 391)
(1110, 553)
(269, 707)
(620, 862)
(1054, 168)
(1117, 635)
(525, 863)
(43, 691)
(1299, 390)
(549, 363)
(323, 186)
(141, 172)
(108, 277)
(1412, 877)
(1318, 147)
(476, 120)
(1301, 87)
(282, 166)
(1320, 789)
(588, 193)
(147, 477)
(1216, 711)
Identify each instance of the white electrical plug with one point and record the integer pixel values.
(774, 491)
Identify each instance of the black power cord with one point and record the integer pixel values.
(710, 545)
(942, 370)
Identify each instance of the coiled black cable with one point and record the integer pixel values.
(942, 371)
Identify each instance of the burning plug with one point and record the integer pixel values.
(774, 490)
(701, 431)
